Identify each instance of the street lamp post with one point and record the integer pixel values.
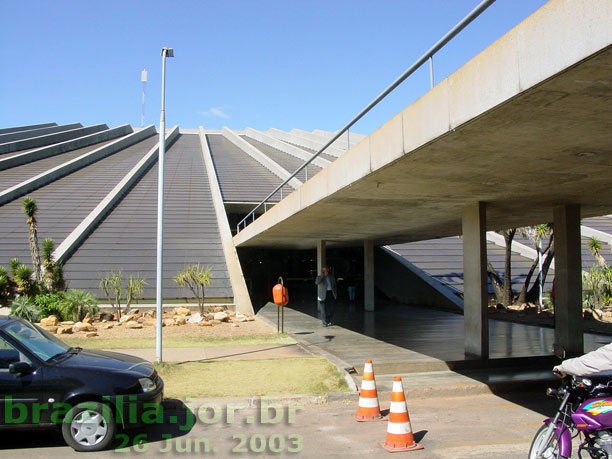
(165, 52)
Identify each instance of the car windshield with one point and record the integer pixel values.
(38, 341)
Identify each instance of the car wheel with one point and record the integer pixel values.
(89, 426)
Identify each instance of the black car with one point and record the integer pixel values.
(46, 383)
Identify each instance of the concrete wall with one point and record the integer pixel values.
(400, 284)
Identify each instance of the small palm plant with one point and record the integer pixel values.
(24, 307)
(26, 286)
(76, 304)
(53, 274)
(30, 208)
(196, 278)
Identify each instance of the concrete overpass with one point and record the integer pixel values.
(520, 135)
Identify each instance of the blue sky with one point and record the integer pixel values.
(284, 64)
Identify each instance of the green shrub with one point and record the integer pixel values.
(76, 304)
(26, 285)
(25, 308)
(50, 304)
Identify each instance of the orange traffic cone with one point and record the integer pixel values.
(399, 430)
(368, 409)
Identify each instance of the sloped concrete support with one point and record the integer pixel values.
(51, 138)
(14, 136)
(96, 216)
(285, 147)
(260, 157)
(63, 147)
(475, 281)
(402, 281)
(70, 166)
(368, 275)
(568, 279)
(242, 299)
(26, 128)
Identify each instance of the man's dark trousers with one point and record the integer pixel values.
(327, 307)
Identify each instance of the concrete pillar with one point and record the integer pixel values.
(368, 275)
(321, 261)
(475, 281)
(568, 279)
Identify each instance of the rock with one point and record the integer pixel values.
(149, 322)
(150, 313)
(500, 307)
(51, 328)
(240, 318)
(598, 314)
(88, 320)
(216, 322)
(195, 318)
(132, 324)
(587, 314)
(90, 334)
(107, 316)
(218, 309)
(182, 311)
(135, 311)
(221, 316)
(168, 322)
(67, 323)
(205, 324)
(492, 309)
(50, 321)
(65, 330)
(180, 320)
(107, 326)
(91, 328)
(235, 325)
(127, 318)
(79, 327)
(208, 317)
(251, 319)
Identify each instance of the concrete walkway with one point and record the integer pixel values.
(423, 346)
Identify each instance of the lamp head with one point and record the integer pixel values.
(167, 52)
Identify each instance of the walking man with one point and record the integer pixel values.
(326, 294)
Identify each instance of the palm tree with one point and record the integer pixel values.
(29, 208)
(595, 248)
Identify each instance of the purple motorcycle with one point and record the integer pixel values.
(585, 412)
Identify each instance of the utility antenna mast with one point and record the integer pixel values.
(143, 78)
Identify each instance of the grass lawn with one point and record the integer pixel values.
(239, 378)
(183, 341)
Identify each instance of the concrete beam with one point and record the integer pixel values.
(100, 212)
(242, 299)
(303, 142)
(13, 136)
(354, 138)
(368, 275)
(285, 147)
(568, 279)
(475, 305)
(68, 167)
(587, 231)
(49, 139)
(517, 247)
(322, 140)
(63, 147)
(261, 158)
(26, 128)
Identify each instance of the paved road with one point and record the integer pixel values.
(482, 426)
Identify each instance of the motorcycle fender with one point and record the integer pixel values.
(564, 436)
